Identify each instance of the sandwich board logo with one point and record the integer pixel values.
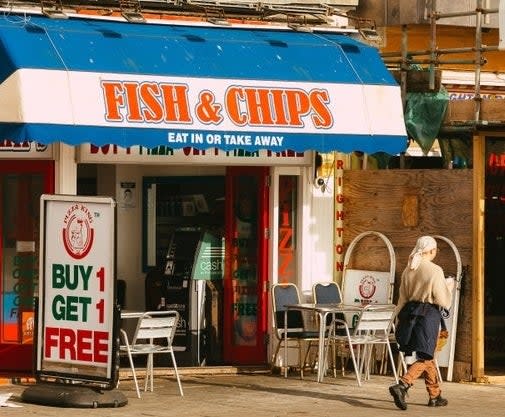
(367, 287)
(77, 231)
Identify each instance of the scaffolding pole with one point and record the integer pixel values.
(404, 58)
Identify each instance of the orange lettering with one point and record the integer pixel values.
(114, 99)
(285, 265)
(176, 103)
(132, 102)
(340, 266)
(259, 107)
(234, 96)
(493, 160)
(322, 117)
(285, 234)
(298, 104)
(280, 111)
(153, 112)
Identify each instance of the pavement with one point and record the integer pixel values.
(232, 392)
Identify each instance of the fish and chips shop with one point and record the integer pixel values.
(208, 138)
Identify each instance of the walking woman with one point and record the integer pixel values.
(424, 292)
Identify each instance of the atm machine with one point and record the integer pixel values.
(193, 258)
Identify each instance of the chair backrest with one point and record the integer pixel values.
(326, 293)
(376, 318)
(283, 294)
(156, 325)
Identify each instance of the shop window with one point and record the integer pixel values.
(288, 197)
(173, 204)
(19, 215)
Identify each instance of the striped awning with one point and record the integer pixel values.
(83, 80)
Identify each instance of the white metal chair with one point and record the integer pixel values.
(154, 334)
(372, 328)
(401, 362)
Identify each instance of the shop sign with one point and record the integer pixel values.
(496, 161)
(188, 108)
(165, 154)
(76, 298)
(365, 287)
(469, 95)
(25, 150)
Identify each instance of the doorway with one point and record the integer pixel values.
(494, 319)
(21, 185)
(246, 266)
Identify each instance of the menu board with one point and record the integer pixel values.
(75, 337)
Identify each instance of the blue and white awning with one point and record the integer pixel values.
(109, 82)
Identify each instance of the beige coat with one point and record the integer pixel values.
(426, 284)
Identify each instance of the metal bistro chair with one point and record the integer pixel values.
(297, 334)
(329, 293)
(373, 328)
(154, 335)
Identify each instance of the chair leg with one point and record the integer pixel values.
(177, 374)
(365, 356)
(134, 375)
(130, 359)
(344, 357)
(391, 359)
(328, 349)
(307, 352)
(334, 358)
(401, 362)
(343, 364)
(355, 364)
(276, 353)
(300, 364)
(149, 372)
(152, 372)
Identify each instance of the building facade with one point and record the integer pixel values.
(203, 133)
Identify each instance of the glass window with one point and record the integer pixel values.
(244, 260)
(20, 212)
(288, 197)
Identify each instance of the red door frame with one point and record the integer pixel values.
(251, 354)
(17, 359)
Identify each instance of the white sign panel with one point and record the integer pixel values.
(165, 155)
(176, 104)
(445, 356)
(25, 150)
(361, 287)
(76, 296)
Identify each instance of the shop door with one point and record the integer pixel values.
(21, 184)
(494, 319)
(246, 267)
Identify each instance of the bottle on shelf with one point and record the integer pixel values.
(162, 305)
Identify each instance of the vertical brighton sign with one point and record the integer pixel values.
(76, 308)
